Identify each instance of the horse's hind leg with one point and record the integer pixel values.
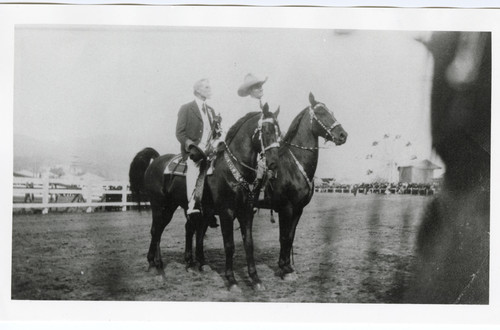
(162, 215)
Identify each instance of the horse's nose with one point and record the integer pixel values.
(343, 136)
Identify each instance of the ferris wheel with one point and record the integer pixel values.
(385, 155)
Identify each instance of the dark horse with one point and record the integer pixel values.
(294, 186)
(228, 191)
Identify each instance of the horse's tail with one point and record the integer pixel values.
(138, 167)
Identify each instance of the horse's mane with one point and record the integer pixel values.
(294, 125)
(236, 127)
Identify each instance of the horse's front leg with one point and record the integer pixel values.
(288, 220)
(246, 224)
(226, 222)
(201, 229)
(190, 229)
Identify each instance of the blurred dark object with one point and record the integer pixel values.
(453, 241)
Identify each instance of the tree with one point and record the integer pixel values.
(57, 172)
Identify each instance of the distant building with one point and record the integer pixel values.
(417, 172)
(24, 174)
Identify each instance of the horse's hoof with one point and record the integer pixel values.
(161, 278)
(290, 277)
(205, 268)
(234, 288)
(192, 270)
(259, 287)
(160, 274)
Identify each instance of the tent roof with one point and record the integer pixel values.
(83, 177)
(422, 164)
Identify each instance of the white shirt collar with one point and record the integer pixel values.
(199, 102)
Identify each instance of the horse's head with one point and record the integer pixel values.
(269, 136)
(324, 123)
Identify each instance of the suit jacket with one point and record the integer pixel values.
(190, 125)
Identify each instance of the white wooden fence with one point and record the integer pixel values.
(45, 193)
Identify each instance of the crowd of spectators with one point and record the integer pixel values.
(381, 188)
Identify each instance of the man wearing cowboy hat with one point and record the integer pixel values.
(196, 130)
(252, 86)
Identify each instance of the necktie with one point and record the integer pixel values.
(204, 108)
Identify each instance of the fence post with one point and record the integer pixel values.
(124, 197)
(45, 194)
(87, 195)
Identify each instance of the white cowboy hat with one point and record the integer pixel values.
(249, 81)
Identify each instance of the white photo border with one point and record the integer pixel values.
(258, 17)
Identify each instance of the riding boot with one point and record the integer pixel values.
(264, 198)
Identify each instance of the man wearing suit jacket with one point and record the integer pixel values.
(196, 132)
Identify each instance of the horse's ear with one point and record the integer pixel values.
(277, 112)
(265, 109)
(311, 99)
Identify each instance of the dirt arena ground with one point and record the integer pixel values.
(347, 249)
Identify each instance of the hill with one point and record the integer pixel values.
(105, 155)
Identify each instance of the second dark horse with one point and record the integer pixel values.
(294, 185)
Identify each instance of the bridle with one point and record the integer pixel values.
(258, 133)
(312, 115)
(328, 130)
(258, 130)
(231, 158)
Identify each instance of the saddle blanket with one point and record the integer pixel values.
(176, 166)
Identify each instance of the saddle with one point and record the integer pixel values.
(176, 166)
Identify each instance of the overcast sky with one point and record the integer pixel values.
(128, 83)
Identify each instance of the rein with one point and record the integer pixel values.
(237, 160)
(305, 148)
(310, 184)
(241, 181)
